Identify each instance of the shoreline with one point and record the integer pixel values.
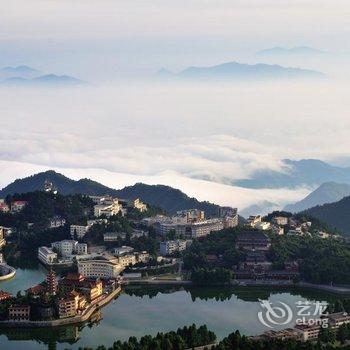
(11, 271)
(85, 316)
(284, 284)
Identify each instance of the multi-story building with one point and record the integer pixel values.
(17, 206)
(253, 241)
(253, 220)
(122, 250)
(99, 268)
(68, 247)
(308, 332)
(277, 230)
(78, 231)
(4, 295)
(64, 248)
(19, 312)
(91, 289)
(263, 225)
(57, 221)
(107, 209)
(2, 237)
(191, 215)
(203, 228)
(137, 204)
(280, 220)
(127, 260)
(337, 319)
(171, 247)
(113, 236)
(47, 255)
(51, 282)
(67, 307)
(4, 208)
(142, 257)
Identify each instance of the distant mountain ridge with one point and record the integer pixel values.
(328, 192)
(235, 70)
(336, 215)
(25, 75)
(297, 50)
(296, 173)
(165, 197)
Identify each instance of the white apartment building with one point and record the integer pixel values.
(78, 230)
(201, 229)
(99, 268)
(170, 247)
(47, 255)
(113, 236)
(68, 247)
(262, 226)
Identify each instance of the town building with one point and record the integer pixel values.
(127, 260)
(277, 230)
(51, 282)
(4, 208)
(253, 220)
(2, 237)
(171, 247)
(113, 236)
(67, 247)
(253, 241)
(337, 319)
(57, 221)
(19, 312)
(203, 228)
(142, 257)
(122, 250)
(4, 295)
(47, 255)
(280, 220)
(263, 226)
(308, 332)
(137, 204)
(107, 209)
(99, 268)
(68, 307)
(78, 231)
(18, 206)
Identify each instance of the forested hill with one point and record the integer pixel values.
(165, 197)
(336, 214)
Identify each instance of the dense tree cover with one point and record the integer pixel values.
(221, 243)
(321, 260)
(42, 206)
(218, 276)
(334, 214)
(183, 338)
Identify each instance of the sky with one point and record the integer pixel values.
(125, 127)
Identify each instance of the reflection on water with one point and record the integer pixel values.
(145, 310)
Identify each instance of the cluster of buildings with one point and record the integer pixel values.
(290, 226)
(108, 265)
(15, 206)
(59, 299)
(109, 206)
(192, 223)
(62, 252)
(174, 246)
(306, 332)
(254, 245)
(110, 237)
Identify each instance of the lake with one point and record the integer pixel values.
(139, 311)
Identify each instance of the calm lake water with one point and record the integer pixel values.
(140, 311)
